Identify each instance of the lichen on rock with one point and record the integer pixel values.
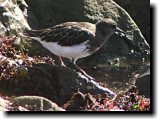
(12, 18)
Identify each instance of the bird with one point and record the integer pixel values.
(75, 40)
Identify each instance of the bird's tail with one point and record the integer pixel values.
(32, 33)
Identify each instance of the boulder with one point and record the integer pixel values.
(36, 103)
(12, 19)
(27, 103)
(79, 101)
(56, 83)
(139, 11)
(143, 84)
(3, 104)
(6, 105)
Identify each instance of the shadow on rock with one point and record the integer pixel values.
(56, 83)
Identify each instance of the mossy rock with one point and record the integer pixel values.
(36, 103)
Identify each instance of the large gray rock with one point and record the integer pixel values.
(143, 84)
(56, 83)
(12, 19)
(28, 103)
(36, 103)
(140, 13)
(6, 105)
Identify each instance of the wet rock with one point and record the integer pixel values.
(36, 103)
(139, 11)
(56, 83)
(143, 84)
(79, 101)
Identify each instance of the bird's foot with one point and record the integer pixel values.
(61, 62)
(83, 72)
(87, 76)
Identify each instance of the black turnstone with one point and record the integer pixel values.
(75, 39)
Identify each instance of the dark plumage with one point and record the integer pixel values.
(66, 34)
(72, 33)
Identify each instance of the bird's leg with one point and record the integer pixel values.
(82, 71)
(61, 62)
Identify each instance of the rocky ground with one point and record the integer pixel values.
(31, 78)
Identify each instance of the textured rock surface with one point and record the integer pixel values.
(6, 105)
(143, 84)
(12, 19)
(3, 104)
(37, 103)
(79, 100)
(28, 103)
(56, 83)
(140, 13)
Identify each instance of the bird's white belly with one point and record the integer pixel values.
(75, 51)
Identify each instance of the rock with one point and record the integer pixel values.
(6, 105)
(2, 29)
(28, 103)
(56, 83)
(11, 18)
(139, 11)
(79, 101)
(143, 84)
(91, 11)
(36, 103)
(3, 104)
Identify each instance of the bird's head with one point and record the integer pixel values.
(107, 27)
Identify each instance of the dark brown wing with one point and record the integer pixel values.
(66, 34)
